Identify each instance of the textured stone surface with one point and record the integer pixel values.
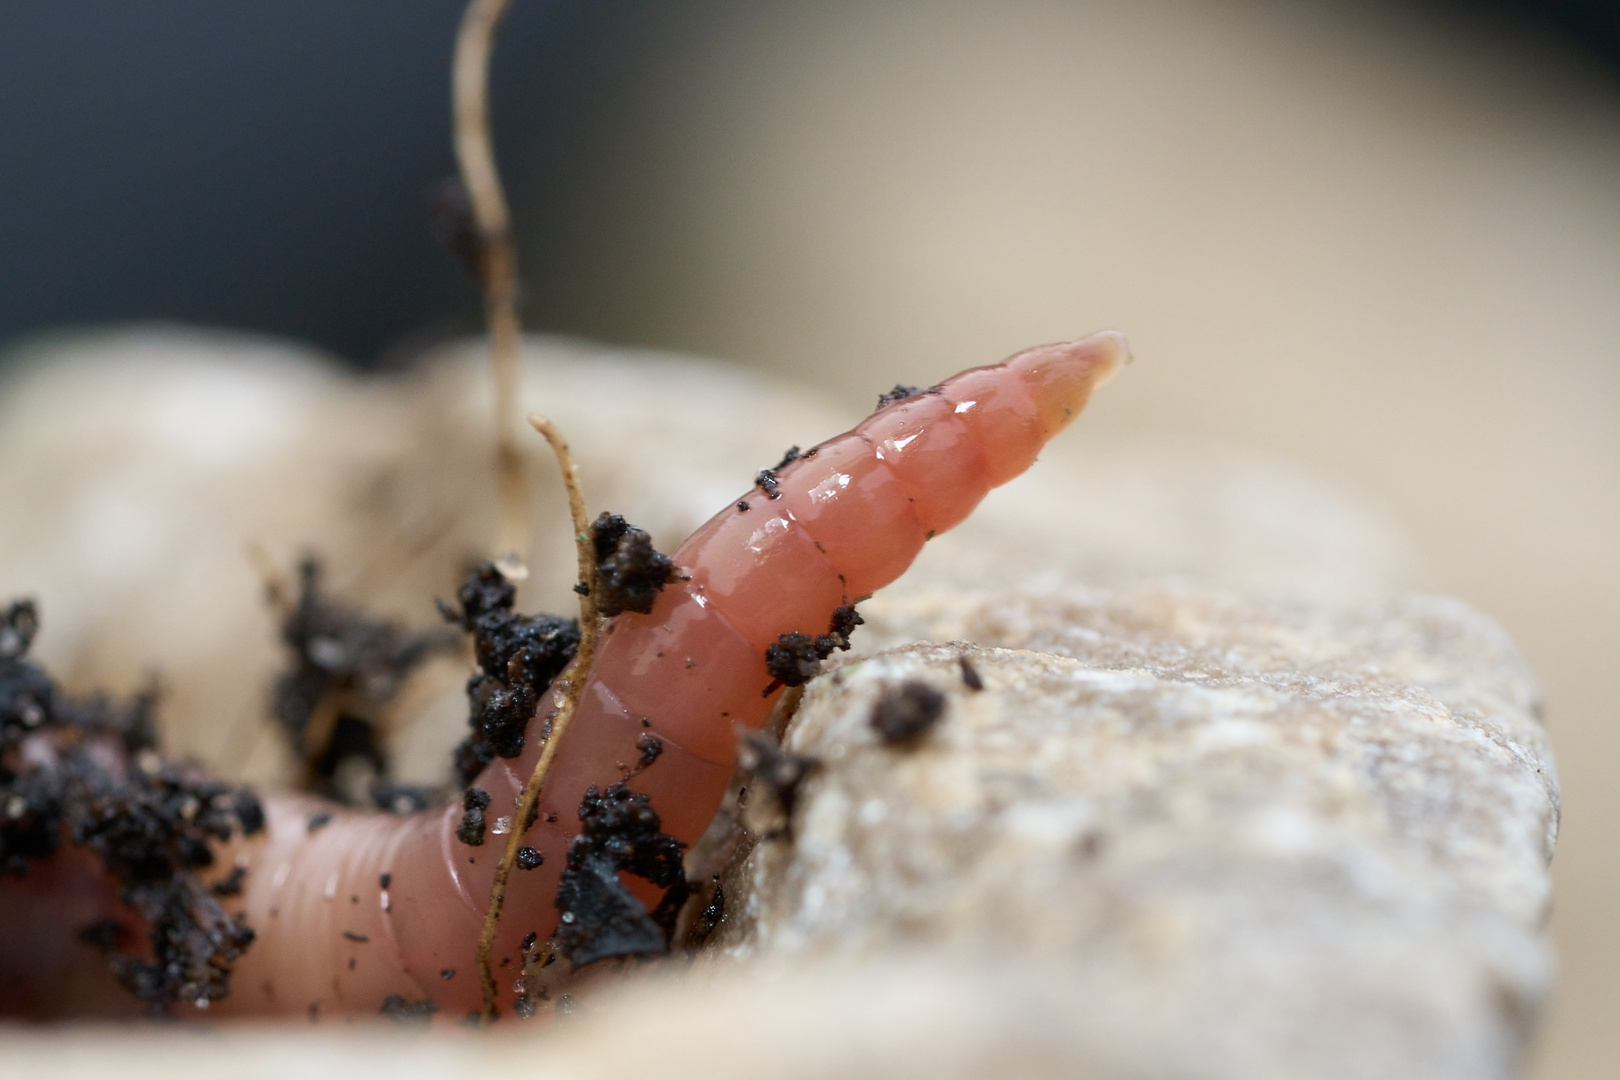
(1262, 839)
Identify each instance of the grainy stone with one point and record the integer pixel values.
(1264, 839)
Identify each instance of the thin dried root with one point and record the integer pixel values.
(573, 685)
(475, 156)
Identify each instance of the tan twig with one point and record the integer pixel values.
(475, 156)
(574, 684)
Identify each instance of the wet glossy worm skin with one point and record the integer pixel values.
(369, 905)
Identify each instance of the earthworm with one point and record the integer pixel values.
(352, 909)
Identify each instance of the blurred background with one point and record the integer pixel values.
(1379, 239)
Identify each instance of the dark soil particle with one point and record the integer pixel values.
(402, 799)
(447, 974)
(231, 884)
(473, 804)
(65, 777)
(360, 938)
(347, 662)
(651, 747)
(249, 812)
(453, 224)
(899, 393)
(780, 773)
(767, 482)
(529, 859)
(795, 658)
(396, 1007)
(788, 458)
(970, 674)
(385, 880)
(319, 822)
(708, 919)
(742, 505)
(792, 659)
(905, 714)
(518, 657)
(630, 572)
(598, 916)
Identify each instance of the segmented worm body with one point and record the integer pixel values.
(358, 907)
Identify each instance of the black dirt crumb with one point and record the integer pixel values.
(899, 393)
(794, 659)
(359, 938)
(651, 747)
(344, 660)
(249, 813)
(708, 919)
(230, 884)
(767, 482)
(318, 822)
(780, 773)
(396, 1007)
(844, 621)
(518, 655)
(529, 859)
(906, 714)
(88, 773)
(598, 916)
(629, 570)
(473, 805)
(395, 798)
(970, 674)
(742, 505)
(385, 880)
(451, 220)
(447, 974)
(788, 458)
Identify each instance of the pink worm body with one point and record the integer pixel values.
(370, 905)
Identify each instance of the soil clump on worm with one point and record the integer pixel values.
(404, 1011)
(599, 916)
(630, 572)
(89, 772)
(518, 657)
(793, 659)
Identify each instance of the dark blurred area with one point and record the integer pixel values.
(264, 166)
(258, 166)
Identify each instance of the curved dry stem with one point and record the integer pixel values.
(573, 685)
(475, 157)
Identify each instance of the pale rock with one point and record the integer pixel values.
(1231, 837)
